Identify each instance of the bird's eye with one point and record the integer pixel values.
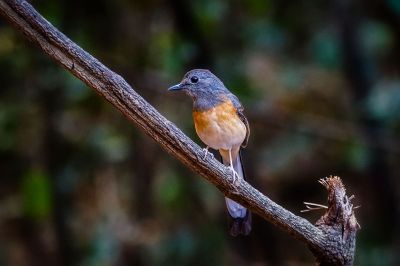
(194, 79)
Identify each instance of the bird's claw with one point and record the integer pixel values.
(206, 152)
(236, 178)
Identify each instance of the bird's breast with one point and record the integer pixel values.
(220, 126)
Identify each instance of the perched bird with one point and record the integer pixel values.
(220, 123)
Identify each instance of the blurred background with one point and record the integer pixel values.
(80, 185)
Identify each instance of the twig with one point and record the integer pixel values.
(313, 207)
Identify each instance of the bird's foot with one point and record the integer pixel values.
(236, 177)
(206, 152)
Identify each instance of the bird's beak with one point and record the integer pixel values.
(175, 87)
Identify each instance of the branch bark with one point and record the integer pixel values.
(332, 240)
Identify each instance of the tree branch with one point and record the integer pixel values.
(327, 240)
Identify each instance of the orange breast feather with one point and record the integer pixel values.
(220, 127)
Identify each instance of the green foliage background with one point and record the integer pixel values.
(320, 82)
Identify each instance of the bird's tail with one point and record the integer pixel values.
(239, 216)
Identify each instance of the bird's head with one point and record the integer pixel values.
(198, 83)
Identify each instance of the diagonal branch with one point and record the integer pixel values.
(116, 90)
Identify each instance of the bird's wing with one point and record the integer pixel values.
(240, 112)
(246, 123)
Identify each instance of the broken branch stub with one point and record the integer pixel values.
(339, 223)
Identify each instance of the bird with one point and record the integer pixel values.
(220, 123)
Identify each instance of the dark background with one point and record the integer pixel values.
(80, 185)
